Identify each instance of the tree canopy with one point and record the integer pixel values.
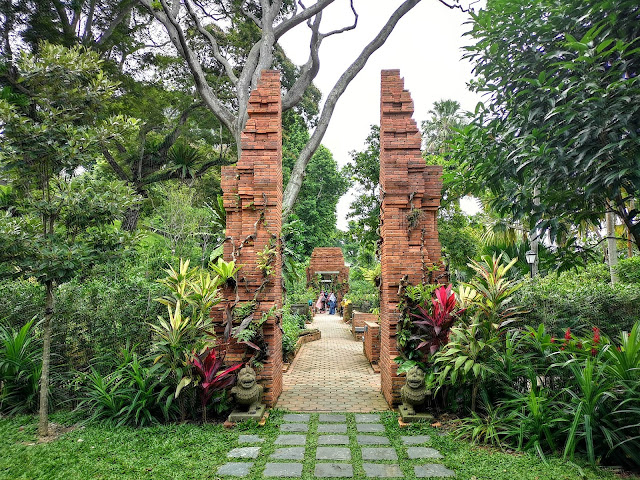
(557, 139)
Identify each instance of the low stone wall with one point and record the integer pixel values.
(372, 341)
(358, 321)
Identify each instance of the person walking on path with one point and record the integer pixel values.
(332, 304)
(319, 302)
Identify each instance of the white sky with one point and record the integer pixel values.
(426, 46)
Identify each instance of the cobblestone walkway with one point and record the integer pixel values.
(331, 374)
(335, 445)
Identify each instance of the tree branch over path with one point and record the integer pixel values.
(188, 22)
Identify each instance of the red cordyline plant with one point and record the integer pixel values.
(207, 366)
(435, 326)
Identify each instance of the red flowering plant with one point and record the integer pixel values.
(580, 346)
(433, 326)
(210, 376)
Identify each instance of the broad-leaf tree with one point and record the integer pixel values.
(203, 34)
(557, 139)
(61, 219)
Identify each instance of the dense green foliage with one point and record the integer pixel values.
(292, 324)
(581, 301)
(562, 119)
(528, 387)
(313, 220)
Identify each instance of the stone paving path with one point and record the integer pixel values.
(331, 374)
(346, 454)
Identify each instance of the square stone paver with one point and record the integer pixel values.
(333, 440)
(324, 470)
(381, 453)
(332, 428)
(370, 427)
(332, 418)
(288, 453)
(291, 440)
(235, 469)
(244, 452)
(372, 440)
(382, 470)
(333, 453)
(422, 452)
(282, 470)
(296, 417)
(250, 439)
(433, 470)
(415, 439)
(367, 418)
(294, 427)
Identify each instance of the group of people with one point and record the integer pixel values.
(327, 301)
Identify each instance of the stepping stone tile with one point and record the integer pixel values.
(244, 452)
(333, 440)
(332, 428)
(333, 453)
(250, 439)
(381, 453)
(332, 418)
(372, 440)
(415, 439)
(294, 427)
(324, 470)
(433, 470)
(296, 417)
(422, 452)
(235, 469)
(382, 470)
(367, 418)
(289, 453)
(370, 427)
(282, 470)
(291, 440)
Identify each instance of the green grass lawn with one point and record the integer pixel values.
(195, 452)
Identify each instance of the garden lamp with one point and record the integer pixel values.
(531, 260)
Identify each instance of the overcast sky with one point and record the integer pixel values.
(426, 46)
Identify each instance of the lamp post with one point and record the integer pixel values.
(531, 260)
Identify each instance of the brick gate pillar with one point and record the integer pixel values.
(410, 196)
(253, 202)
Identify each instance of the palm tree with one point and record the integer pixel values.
(445, 118)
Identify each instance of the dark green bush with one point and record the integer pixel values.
(628, 270)
(134, 393)
(580, 300)
(20, 369)
(291, 325)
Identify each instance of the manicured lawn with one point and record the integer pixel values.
(195, 452)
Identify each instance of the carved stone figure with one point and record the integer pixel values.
(413, 393)
(247, 392)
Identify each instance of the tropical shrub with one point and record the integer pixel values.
(570, 395)
(134, 393)
(628, 269)
(581, 301)
(20, 368)
(291, 325)
(210, 377)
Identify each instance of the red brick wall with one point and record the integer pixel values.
(329, 259)
(409, 190)
(372, 342)
(253, 201)
(358, 320)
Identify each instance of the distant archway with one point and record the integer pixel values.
(327, 271)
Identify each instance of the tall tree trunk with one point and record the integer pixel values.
(130, 218)
(534, 234)
(612, 247)
(43, 423)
